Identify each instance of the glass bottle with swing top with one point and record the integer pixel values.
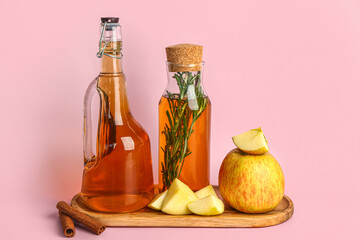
(117, 177)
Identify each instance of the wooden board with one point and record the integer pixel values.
(231, 218)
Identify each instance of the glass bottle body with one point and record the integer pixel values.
(119, 177)
(195, 170)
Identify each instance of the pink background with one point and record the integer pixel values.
(291, 67)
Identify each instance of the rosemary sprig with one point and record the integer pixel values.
(181, 120)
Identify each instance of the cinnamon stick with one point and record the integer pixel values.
(90, 223)
(67, 225)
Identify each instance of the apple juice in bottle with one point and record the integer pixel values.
(184, 120)
(119, 177)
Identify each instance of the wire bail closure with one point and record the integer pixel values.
(101, 51)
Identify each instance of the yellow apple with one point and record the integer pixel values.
(251, 183)
(178, 197)
(210, 205)
(206, 191)
(156, 203)
(252, 141)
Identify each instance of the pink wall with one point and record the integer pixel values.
(291, 67)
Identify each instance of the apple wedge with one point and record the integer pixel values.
(206, 191)
(156, 203)
(207, 206)
(252, 142)
(178, 197)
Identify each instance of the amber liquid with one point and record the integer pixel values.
(196, 169)
(120, 178)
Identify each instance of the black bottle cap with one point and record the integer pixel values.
(109, 20)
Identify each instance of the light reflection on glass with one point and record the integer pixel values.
(128, 143)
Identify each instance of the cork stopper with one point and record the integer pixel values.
(184, 57)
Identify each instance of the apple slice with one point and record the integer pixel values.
(206, 191)
(157, 201)
(252, 142)
(178, 197)
(207, 206)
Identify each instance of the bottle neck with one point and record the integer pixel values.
(110, 65)
(185, 80)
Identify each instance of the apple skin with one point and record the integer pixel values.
(251, 183)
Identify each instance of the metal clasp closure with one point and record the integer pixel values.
(101, 51)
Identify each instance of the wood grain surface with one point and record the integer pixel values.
(231, 218)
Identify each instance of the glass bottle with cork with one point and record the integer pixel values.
(184, 120)
(118, 178)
